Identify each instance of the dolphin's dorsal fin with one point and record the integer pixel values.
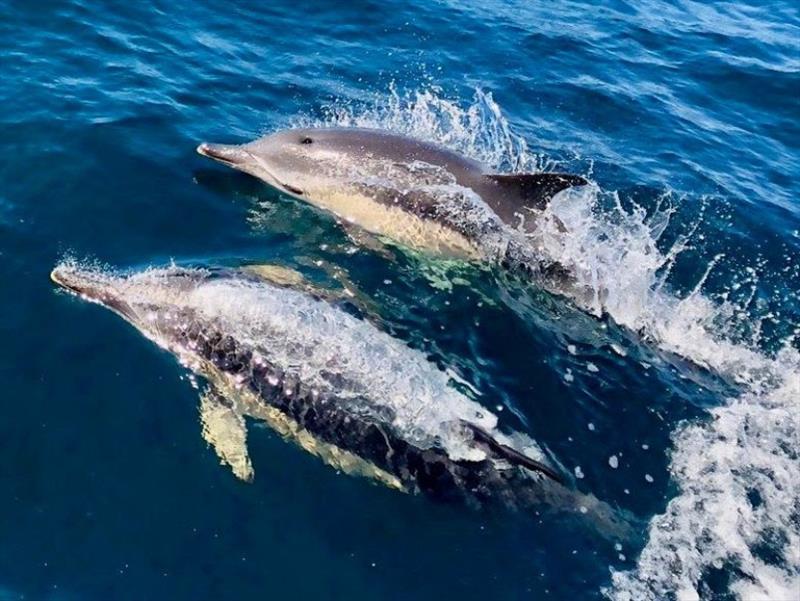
(511, 455)
(536, 189)
(224, 429)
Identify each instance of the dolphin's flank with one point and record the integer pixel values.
(412, 192)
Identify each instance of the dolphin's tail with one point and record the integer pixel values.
(578, 509)
(553, 494)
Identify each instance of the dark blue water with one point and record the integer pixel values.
(687, 117)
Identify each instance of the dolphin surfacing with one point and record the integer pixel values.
(409, 191)
(340, 388)
(276, 349)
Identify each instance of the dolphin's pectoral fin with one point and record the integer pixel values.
(536, 190)
(509, 454)
(285, 277)
(225, 430)
(367, 240)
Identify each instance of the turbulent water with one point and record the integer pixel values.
(670, 389)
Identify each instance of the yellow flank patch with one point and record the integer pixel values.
(395, 223)
(334, 456)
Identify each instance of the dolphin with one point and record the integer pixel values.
(412, 192)
(273, 350)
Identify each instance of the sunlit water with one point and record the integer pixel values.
(678, 404)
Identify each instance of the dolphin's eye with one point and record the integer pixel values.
(306, 141)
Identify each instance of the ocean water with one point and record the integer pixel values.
(676, 400)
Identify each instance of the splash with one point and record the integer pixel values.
(736, 511)
(478, 131)
(738, 472)
(333, 351)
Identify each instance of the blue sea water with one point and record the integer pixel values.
(680, 405)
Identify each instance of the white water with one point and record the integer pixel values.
(747, 449)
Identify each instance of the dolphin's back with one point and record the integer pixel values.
(403, 149)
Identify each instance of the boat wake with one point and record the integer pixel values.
(737, 472)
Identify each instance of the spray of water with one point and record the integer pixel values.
(738, 473)
(477, 130)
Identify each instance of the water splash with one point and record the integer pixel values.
(738, 473)
(736, 511)
(478, 130)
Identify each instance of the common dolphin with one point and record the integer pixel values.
(410, 191)
(363, 401)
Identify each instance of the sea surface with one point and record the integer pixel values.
(678, 402)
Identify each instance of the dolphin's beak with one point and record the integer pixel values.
(230, 154)
(68, 278)
(85, 282)
(239, 158)
(89, 284)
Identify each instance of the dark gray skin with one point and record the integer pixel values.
(345, 169)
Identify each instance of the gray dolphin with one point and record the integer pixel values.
(409, 191)
(361, 400)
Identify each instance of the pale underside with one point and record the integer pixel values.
(394, 223)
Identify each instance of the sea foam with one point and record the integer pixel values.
(738, 471)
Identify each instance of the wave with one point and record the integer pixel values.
(737, 472)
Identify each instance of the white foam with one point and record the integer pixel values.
(478, 130)
(748, 445)
(739, 484)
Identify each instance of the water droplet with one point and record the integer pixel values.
(619, 350)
